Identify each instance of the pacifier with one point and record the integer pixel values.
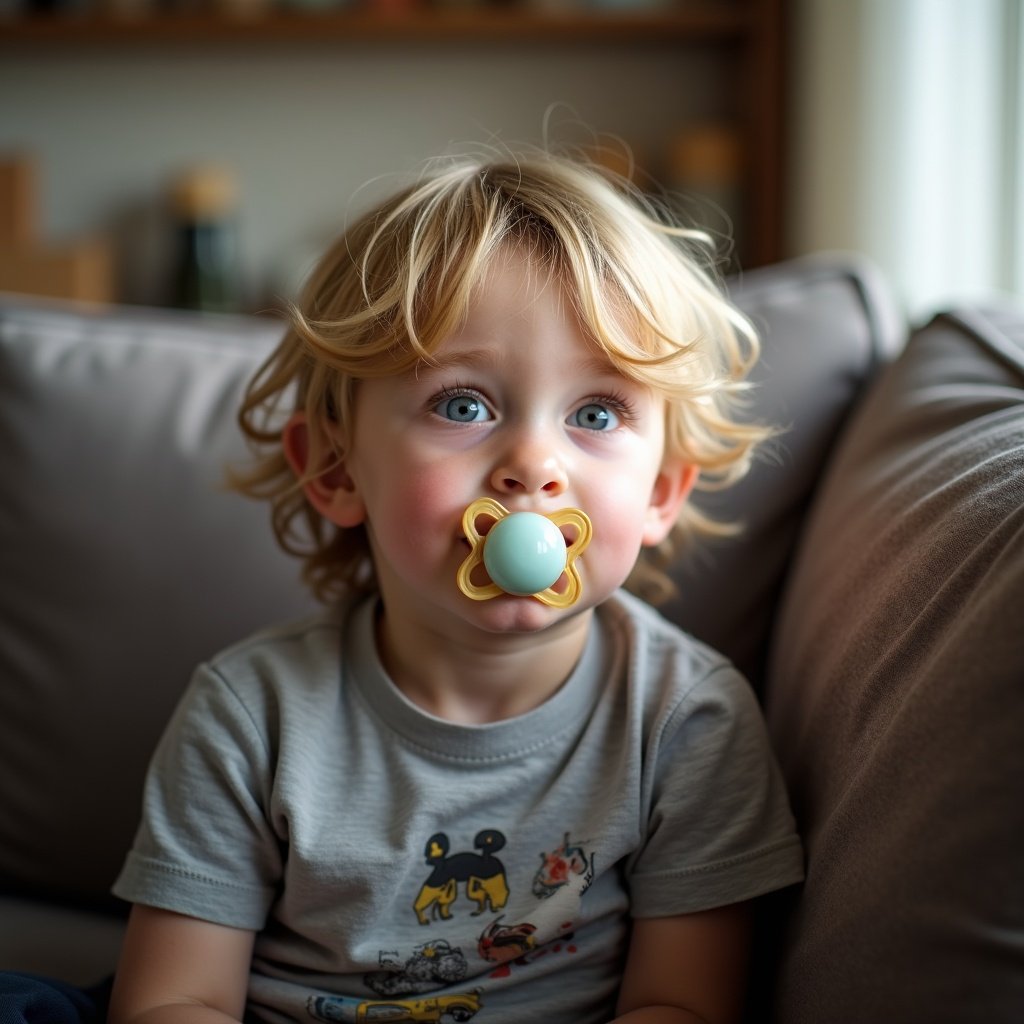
(524, 553)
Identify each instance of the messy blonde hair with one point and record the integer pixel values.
(399, 281)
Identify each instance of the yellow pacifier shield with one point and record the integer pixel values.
(524, 553)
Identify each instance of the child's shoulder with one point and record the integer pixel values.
(672, 674)
(282, 639)
(302, 654)
(263, 693)
(642, 627)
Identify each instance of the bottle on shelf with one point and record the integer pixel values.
(206, 269)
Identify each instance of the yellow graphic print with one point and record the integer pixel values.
(437, 1010)
(482, 874)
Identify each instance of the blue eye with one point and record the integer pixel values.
(595, 417)
(463, 409)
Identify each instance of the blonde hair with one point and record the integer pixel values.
(399, 281)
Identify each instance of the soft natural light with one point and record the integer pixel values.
(1014, 256)
(930, 122)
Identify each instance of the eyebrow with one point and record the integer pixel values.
(474, 357)
(599, 366)
(487, 358)
(471, 359)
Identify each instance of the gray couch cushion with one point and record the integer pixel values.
(123, 561)
(896, 696)
(828, 324)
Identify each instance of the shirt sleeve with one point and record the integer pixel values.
(719, 828)
(206, 846)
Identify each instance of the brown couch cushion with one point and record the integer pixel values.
(896, 696)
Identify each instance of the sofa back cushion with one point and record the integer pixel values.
(124, 562)
(896, 695)
(828, 323)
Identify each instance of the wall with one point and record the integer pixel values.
(306, 126)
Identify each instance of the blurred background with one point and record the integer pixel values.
(203, 152)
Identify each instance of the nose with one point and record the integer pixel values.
(529, 467)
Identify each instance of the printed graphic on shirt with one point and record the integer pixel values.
(565, 874)
(517, 944)
(436, 1010)
(481, 874)
(432, 965)
(500, 943)
(566, 865)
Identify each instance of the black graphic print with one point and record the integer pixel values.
(432, 965)
(481, 874)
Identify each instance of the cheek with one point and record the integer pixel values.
(418, 510)
(425, 494)
(623, 502)
(619, 512)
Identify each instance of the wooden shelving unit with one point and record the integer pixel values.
(747, 35)
(729, 21)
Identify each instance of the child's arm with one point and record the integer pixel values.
(180, 970)
(687, 969)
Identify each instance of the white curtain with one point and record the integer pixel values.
(908, 142)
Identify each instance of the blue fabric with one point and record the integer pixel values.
(31, 999)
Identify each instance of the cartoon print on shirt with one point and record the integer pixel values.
(432, 965)
(564, 876)
(567, 865)
(500, 943)
(517, 944)
(436, 1010)
(482, 873)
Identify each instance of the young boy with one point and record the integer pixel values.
(442, 801)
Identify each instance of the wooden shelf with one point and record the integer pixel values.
(743, 41)
(430, 25)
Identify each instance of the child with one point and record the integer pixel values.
(425, 805)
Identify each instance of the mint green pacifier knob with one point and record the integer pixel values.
(524, 553)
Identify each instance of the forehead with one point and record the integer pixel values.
(514, 280)
(518, 297)
(537, 335)
(522, 303)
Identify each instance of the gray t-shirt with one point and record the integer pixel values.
(399, 867)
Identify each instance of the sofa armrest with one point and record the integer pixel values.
(895, 697)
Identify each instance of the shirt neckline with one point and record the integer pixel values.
(562, 713)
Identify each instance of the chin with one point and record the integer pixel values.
(508, 614)
(511, 616)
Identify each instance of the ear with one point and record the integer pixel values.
(318, 463)
(671, 489)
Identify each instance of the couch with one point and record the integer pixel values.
(875, 600)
